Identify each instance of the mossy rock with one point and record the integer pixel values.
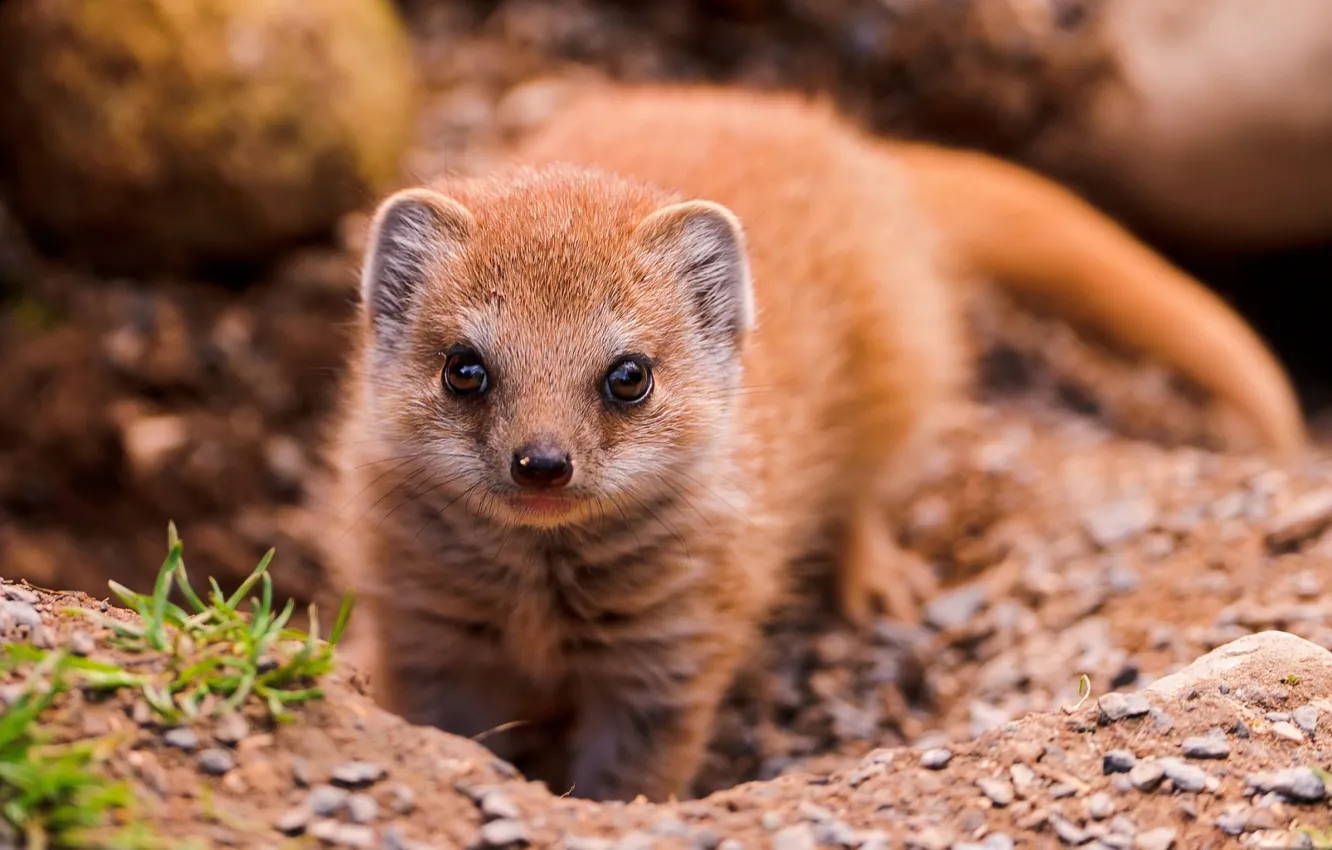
(152, 136)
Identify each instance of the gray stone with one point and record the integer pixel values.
(327, 801)
(1161, 838)
(1306, 717)
(998, 791)
(1100, 806)
(293, 821)
(497, 805)
(362, 808)
(1213, 745)
(1116, 706)
(799, 837)
(936, 759)
(358, 774)
(1297, 784)
(230, 729)
(956, 608)
(1184, 776)
(1117, 761)
(182, 738)
(1146, 776)
(342, 834)
(504, 833)
(1069, 832)
(215, 762)
(1113, 523)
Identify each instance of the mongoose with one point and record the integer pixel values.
(605, 395)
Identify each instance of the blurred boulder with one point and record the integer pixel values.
(1207, 124)
(1215, 132)
(148, 136)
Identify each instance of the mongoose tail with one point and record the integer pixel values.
(1041, 240)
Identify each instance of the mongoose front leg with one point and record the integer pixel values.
(637, 738)
(874, 571)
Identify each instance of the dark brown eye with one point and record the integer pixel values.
(629, 381)
(464, 373)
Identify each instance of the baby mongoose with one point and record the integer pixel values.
(603, 398)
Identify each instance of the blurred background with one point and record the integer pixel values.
(184, 187)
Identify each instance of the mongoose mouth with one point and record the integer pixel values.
(542, 505)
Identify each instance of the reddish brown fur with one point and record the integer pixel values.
(614, 630)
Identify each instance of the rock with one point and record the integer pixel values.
(936, 759)
(956, 608)
(998, 791)
(326, 801)
(1100, 806)
(1246, 658)
(230, 729)
(342, 834)
(215, 762)
(20, 613)
(1146, 776)
(1233, 821)
(1114, 523)
(1297, 784)
(358, 774)
(81, 644)
(1306, 717)
(813, 812)
(1117, 761)
(799, 837)
(238, 127)
(1068, 832)
(402, 799)
(1116, 706)
(1309, 517)
(293, 821)
(1287, 731)
(362, 808)
(182, 738)
(1184, 776)
(497, 805)
(1213, 745)
(504, 833)
(1161, 838)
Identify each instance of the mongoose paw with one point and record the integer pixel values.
(879, 576)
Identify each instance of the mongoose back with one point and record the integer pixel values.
(605, 396)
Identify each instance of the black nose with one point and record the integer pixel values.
(541, 467)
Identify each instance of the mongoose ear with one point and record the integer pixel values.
(704, 244)
(412, 232)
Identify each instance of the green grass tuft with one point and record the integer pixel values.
(215, 650)
(204, 659)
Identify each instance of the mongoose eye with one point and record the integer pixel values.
(464, 373)
(629, 381)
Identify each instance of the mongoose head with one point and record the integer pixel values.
(553, 345)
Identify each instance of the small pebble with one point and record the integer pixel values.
(215, 762)
(182, 738)
(1233, 821)
(814, 812)
(1116, 706)
(936, 759)
(670, 828)
(1161, 722)
(1069, 832)
(1112, 523)
(342, 834)
(402, 799)
(362, 808)
(1120, 825)
(730, 844)
(504, 833)
(1306, 717)
(1117, 761)
(635, 841)
(1146, 776)
(327, 801)
(799, 837)
(82, 644)
(771, 821)
(496, 805)
(1288, 732)
(1161, 838)
(300, 772)
(706, 839)
(956, 608)
(21, 594)
(1184, 776)
(1100, 806)
(358, 774)
(230, 729)
(1062, 791)
(293, 821)
(578, 842)
(1297, 784)
(998, 791)
(1213, 745)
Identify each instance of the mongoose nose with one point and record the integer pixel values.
(541, 467)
